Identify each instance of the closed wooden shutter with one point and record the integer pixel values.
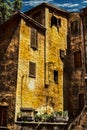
(32, 69)
(56, 76)
(75, 28)
(62, 54)
(34, 38)
(3, 115)
(77, 59)
(81, 101)
(59, 22)
(75, 91)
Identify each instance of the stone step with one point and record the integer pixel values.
(3, 128)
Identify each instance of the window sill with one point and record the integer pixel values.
(42, 123)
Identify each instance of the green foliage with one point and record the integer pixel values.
(7, 8)
(43, 117)
(17, 5)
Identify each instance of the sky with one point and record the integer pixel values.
(69, 5)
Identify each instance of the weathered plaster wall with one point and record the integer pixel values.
(30, 91)
(76, 77)
(56, 39)
(8, 68)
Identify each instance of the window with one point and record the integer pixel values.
(75, 28)
(32, 69)
(77, 59)
(59, 22)
(55, 21)
(75, 90)
(81, 101)
(56, 76)
(62, 54)
(85, 22)
(3, 115)
(34, 38)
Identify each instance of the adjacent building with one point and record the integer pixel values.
(75, 65)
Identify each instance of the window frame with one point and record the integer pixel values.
(55, 76)
(55, 21)
(77, 59)
(34, 39)
(3, 115)
(62, 54)
(32, 69)
(75, 28)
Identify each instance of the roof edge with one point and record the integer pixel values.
(32, 20)
(48, 6)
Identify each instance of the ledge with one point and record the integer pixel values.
(40, 125)
(43, 123)
(3, 128)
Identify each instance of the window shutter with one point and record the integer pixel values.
(77, 59)
(59, 22)
(56, 76)
(62, 54)
(75, 28)
(32, 69)
(53, 21)
(75, 91)
(81, 101)
(34, 38)
(3, 115)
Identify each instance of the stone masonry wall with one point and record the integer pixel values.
(8, 68)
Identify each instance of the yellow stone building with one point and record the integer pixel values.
(40, 61)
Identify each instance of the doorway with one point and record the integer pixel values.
(81, 101)
(3, 115)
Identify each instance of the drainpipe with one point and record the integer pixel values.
(21, 88)
(84, 65)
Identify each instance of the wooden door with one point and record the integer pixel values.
(81, 101)
(3, 115)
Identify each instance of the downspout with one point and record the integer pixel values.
(45, 61)
(84, 63)
(45, 50)
(21, 88)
